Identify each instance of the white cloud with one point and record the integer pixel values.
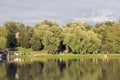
(32, 11)
(100, 16)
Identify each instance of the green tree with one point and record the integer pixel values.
(74, 36)
(109, 35)
(113, 38)
(20, 33)
(79, 39)
(2, 43)
(3, 38)
(36, 43)
(51, 43)
(94, 42)
(25, 37)
(11, 27)
(50, 35)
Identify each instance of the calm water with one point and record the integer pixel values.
(60, 69)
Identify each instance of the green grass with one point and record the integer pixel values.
(113, 55)
(43, 54)
(44, 57)
(69, 56)
(27, 51)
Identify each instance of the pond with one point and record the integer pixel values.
(61, 69)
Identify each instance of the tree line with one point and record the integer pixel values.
(75, 37)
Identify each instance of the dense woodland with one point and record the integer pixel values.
(75, 37)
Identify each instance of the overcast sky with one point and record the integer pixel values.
(31, 12)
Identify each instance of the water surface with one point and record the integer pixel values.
(61, 69)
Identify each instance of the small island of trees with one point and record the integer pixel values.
(75, 37)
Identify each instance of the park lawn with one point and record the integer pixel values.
(43, 54)
(100, 56)
(68, 56)
(44, 57)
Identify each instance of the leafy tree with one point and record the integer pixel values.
(11, 27)
(11, 41)
(113, 38)
(109, 35)
(74, 35)
(51, 43)
(2, 42)
(3, 39)
(36, 43)
(79, 39)
(94, 42)
(20, 33)
(25, 37)
(81, 25)
(49, 33)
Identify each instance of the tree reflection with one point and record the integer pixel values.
(11, 71)
(60, 69)
(3, 72)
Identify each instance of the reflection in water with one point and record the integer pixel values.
(18, 60)
(60, 69)
(11, 71)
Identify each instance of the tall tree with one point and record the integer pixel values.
(36, 43)
(12, 29)
(74, 35)
(78, 39)
(25, 37)
(3, 37)
(49, 33)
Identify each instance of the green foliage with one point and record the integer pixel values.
(80, 40)
(3, 43)
(36, 43)
(73, 36)
(51, 42)
(11, 41)
(3, 38)
(11, 28)
(76, 37)
(49, 35)
(27, 51)
(109, 35)
(93, 42)
(25, 37)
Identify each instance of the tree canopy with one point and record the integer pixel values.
(76, 37)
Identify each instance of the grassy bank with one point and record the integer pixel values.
(68, 56)
(43, 54)
(101, 56)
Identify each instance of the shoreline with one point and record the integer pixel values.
(69, 56)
